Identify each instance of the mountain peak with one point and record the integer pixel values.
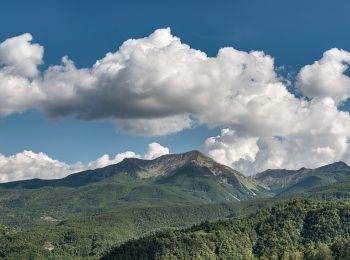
(195, 153)
(340, 163)
(166, 164)
(191, 155)
(336, 166)
(190, 171)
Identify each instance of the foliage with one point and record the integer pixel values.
(299, 229)
(90, 236)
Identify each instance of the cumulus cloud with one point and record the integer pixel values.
(105, 160)
(17, 93)
(19, 60)
(326, 77)
(155, 150)
(29, 165)
(323, 139)
(158, 85)
(20, 56)
(228, 147)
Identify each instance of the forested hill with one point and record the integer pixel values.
(298, 229)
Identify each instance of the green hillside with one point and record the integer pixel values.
(90, 236)
(295, 230)
(172, 180)
(86, 214)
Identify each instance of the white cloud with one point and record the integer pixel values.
(20, 56)
(158, 85)
(322, 139)
(228, 147)
(104, 160)
(155, 150)
(17, 93)
(19, 59)
(29, 165)
(158, 126)
(326, 77)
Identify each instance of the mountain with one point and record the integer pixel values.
(84, 214)
(170, 180)
(297, 229)
(149, 171)
(281, 181)
(190, 172)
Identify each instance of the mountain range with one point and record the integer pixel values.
(191, 173)
(135, 197)
(195, 174)
(171, 180)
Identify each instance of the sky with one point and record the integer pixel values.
(253, 84)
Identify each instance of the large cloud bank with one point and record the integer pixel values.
(158, 85)
(29, 165)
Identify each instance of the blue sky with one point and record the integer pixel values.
(294, 33)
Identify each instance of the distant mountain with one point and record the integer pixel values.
(281, 181)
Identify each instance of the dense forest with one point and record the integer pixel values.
(299, 229)
(90, 237)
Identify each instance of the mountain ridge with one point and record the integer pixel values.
(177, 179)
(291, 181)
(138, 196)
(274, 181)
(136, 167)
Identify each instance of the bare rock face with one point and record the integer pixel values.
(165, 164)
